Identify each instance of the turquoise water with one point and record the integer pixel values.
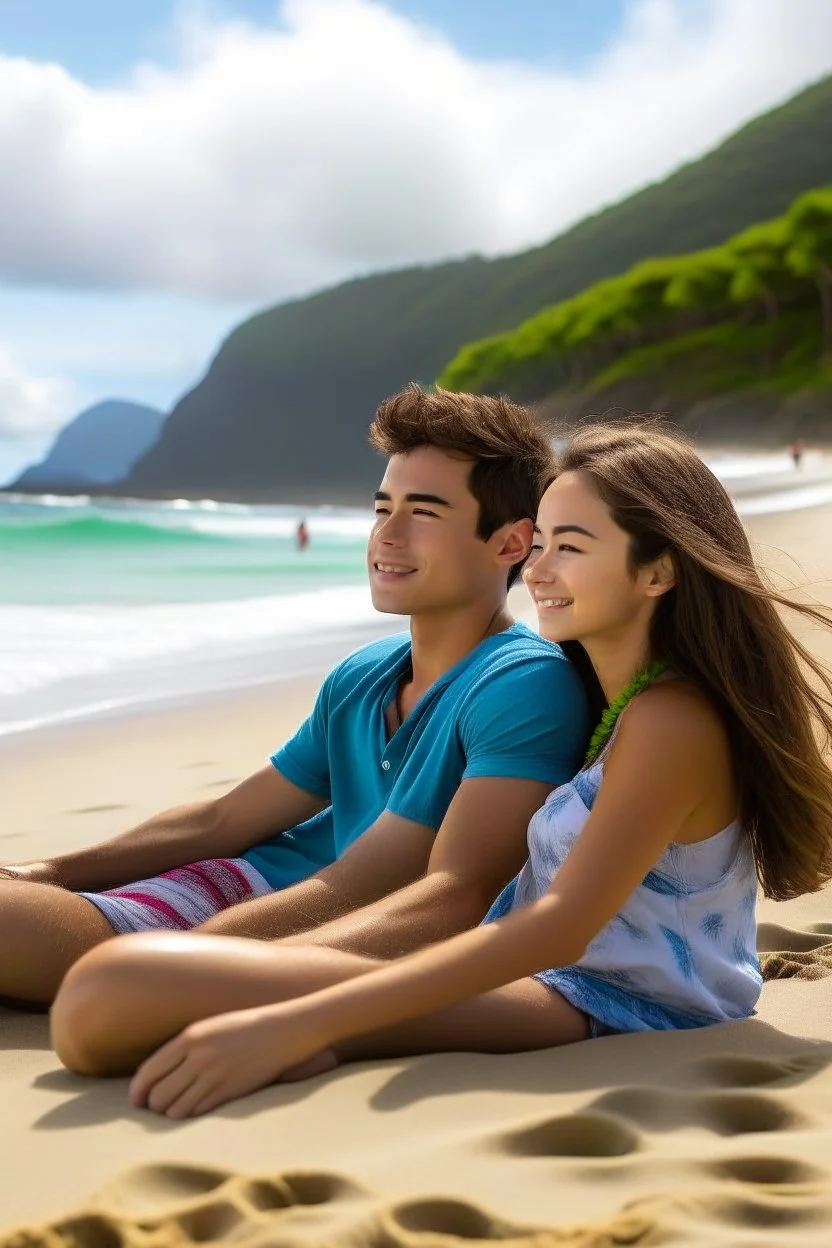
(107, 604)
(110, 603)
(71, 553)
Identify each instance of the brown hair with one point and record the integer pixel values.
(720, 628)
(513, 461)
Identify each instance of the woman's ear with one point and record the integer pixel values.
(662, 576)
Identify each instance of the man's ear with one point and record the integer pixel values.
(662, 576)
(514, 541)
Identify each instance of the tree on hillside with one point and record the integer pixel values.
(765, 270)
(700, 286)
(761, 273)
(809, 254)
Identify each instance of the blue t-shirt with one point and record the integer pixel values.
(513, 707)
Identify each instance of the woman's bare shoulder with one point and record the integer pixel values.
(670, 717)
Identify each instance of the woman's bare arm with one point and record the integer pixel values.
(659, 772)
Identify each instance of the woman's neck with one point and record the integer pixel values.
(616, 663)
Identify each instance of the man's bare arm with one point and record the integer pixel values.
(262, 806)
(479, 848)
(390, 854)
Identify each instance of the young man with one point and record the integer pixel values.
(399, 809)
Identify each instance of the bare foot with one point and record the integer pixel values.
(320, 1064)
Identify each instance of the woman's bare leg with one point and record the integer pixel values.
(123, 1001)
(517, 1018)
(120, 1002)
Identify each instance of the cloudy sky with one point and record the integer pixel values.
(169, 167)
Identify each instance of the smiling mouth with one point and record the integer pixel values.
(392, 569)
(553, 604)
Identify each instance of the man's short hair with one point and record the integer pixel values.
(512, 458)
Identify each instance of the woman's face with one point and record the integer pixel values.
(578, 572)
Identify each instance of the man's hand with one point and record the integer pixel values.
(260, 807)
(34, 872)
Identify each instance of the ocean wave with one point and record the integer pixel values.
(24, 526)
(97, 530)
(796, 498)
(41, 646)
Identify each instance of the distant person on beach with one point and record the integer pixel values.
(635, 909)
(408, 789)
(302, 536)
(797, 452)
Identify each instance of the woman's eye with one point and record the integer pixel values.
(380, 511)
(565, 546)
(535, 550)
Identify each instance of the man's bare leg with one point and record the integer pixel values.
(43, 931)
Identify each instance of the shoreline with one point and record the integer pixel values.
(116, 695)
(207, 673)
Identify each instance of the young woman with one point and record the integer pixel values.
(635, 910)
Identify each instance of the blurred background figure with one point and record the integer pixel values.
(302, 535)
(796, 451)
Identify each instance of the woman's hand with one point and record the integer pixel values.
(231, 1055)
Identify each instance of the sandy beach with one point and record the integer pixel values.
(721, 1136)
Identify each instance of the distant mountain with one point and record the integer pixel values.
(99, 446)
(283, 411)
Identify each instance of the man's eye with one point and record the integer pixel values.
(420, 511)
(382, 511)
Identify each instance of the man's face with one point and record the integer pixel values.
(424, 554)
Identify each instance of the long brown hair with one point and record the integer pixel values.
(512, 461)
(720, 628)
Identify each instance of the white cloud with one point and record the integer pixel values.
(30, 405)
(269, 161)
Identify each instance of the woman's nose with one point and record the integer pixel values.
(535, 569)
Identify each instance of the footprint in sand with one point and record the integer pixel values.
(752, 1072)
(714, 1216)
(762, 1211)
(97, 810)
(148, 1189)
(438, 1223)
(158, 1206)
(771, 1170)
(724, 1113)
(773, 937)
(743, 1113)
(572, 1135)
(613, 1125)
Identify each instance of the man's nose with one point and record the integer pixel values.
(390, 533)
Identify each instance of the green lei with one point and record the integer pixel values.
(638, 684)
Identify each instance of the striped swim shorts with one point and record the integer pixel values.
(180, 899)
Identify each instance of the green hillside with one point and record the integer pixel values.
(284, 408)
(750, 318)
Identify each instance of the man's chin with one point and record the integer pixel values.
(392, 604)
